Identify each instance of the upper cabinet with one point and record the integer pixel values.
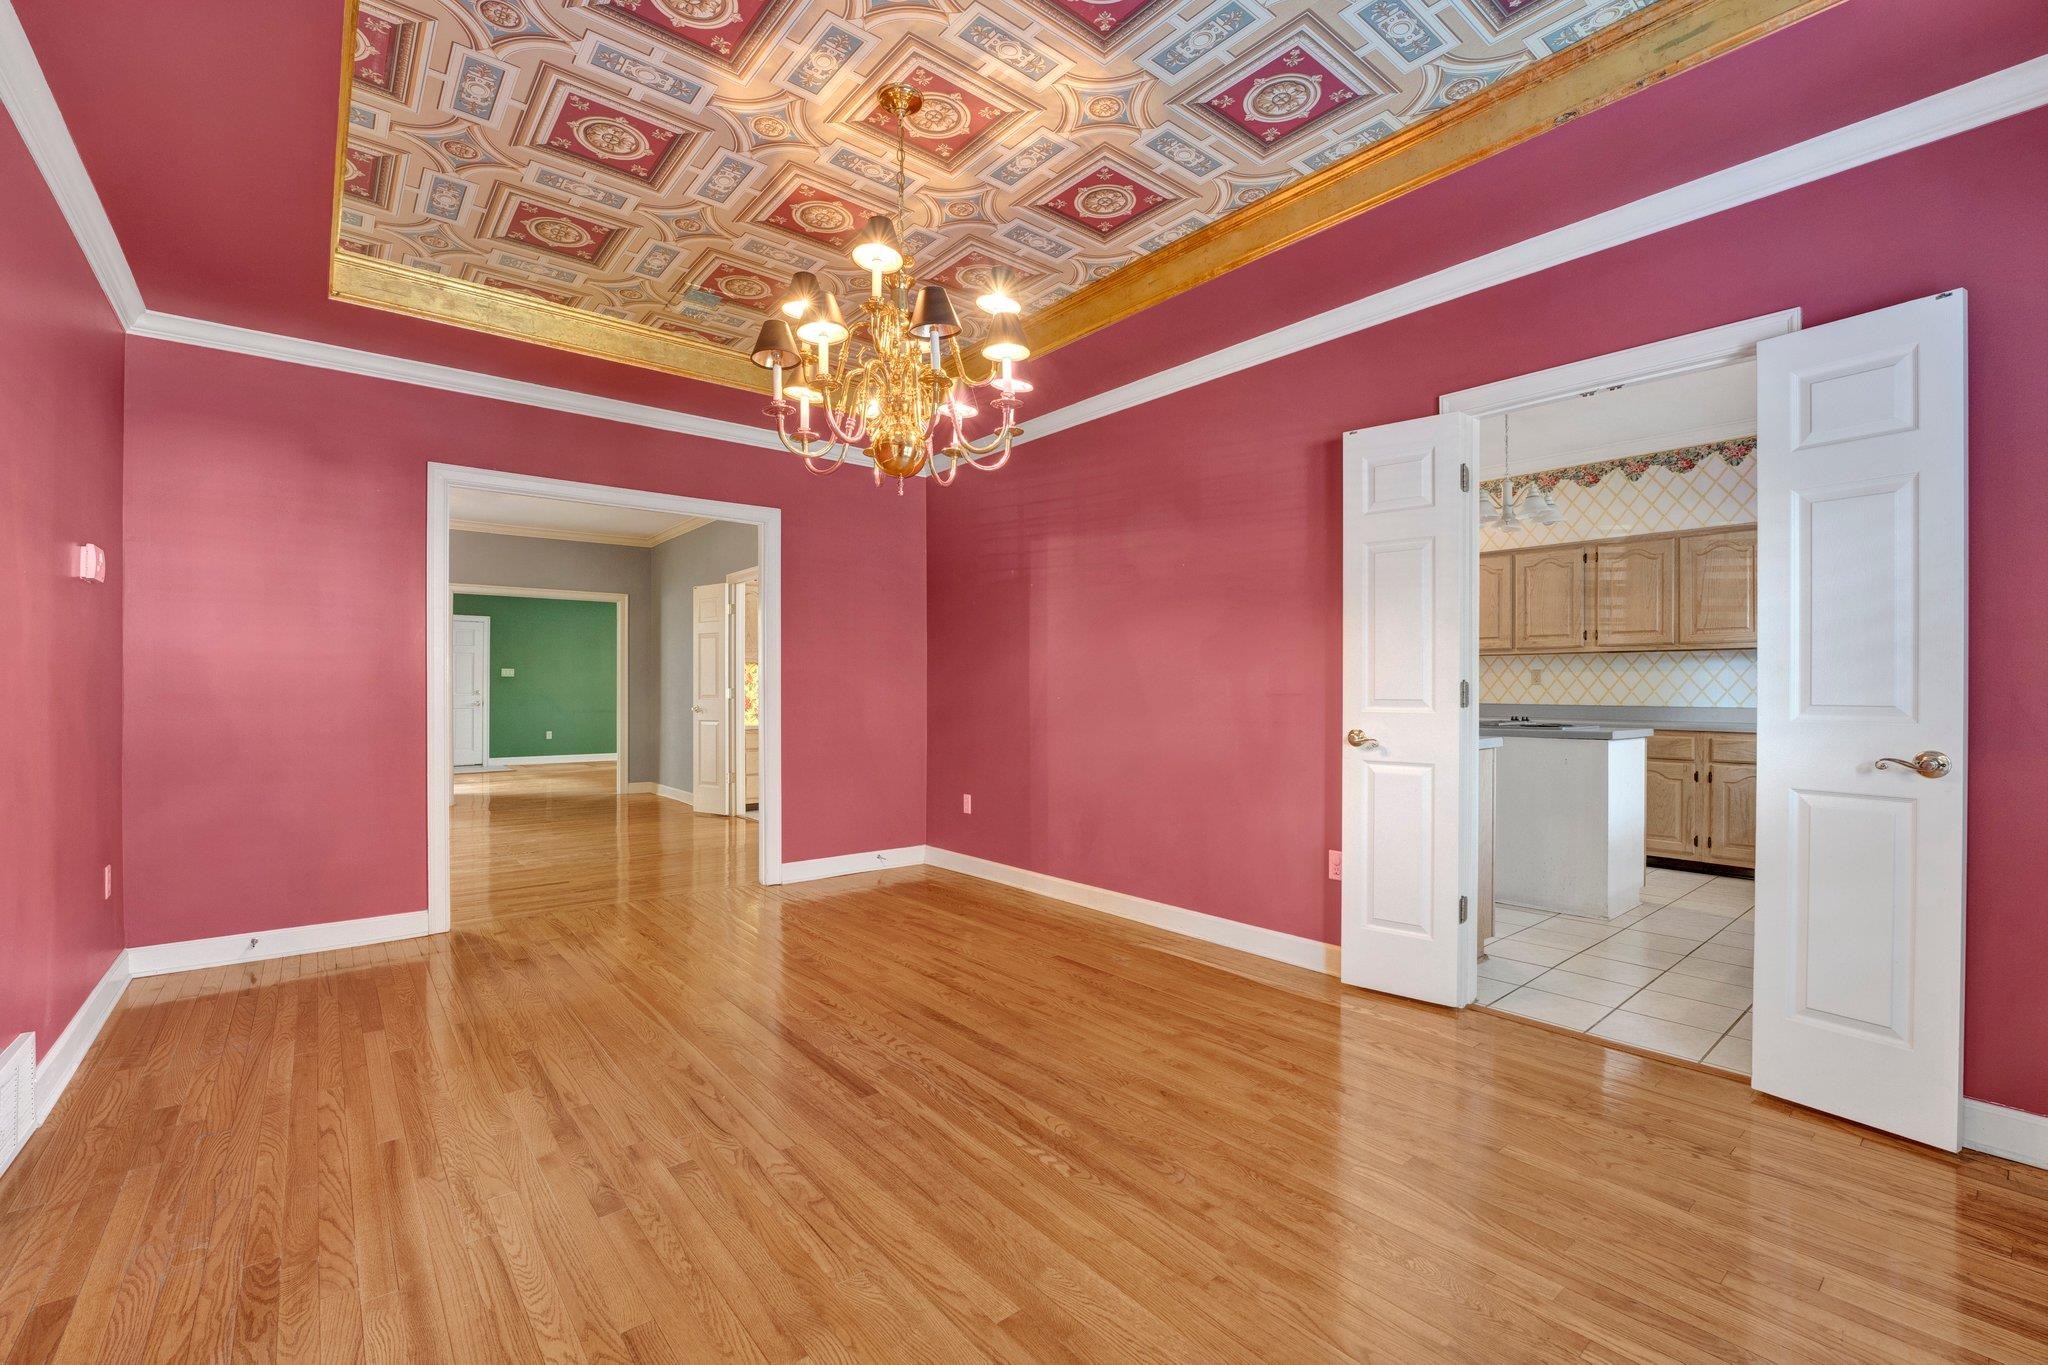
(1496, 603)
(1717, 592)
(1687, 590)
(1550, 598)
(1635, 593)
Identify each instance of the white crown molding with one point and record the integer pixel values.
(34, 111)
(1988, 99)
(637, 542)
(55, 1068)
(681, 528)
(321, 355)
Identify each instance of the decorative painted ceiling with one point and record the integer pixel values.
(662, 166)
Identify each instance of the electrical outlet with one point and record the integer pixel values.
(107, 882)
(551, 734)
(1336, 866)
(966, 804)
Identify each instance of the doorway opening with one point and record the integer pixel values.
(1845, 794)
(603, 673)
(1617, 710)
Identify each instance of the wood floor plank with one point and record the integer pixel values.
(637, 1107)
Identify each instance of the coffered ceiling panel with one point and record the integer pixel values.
(657, 168)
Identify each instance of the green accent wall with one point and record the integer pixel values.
(564, 657)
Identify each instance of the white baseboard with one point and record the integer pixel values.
(845, 864)
(1225, 933)
(2013, 1134)
(193, 954)
(529, 760)
(55, 1068)
(675, 794)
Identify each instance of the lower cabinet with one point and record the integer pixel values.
(1699, 797)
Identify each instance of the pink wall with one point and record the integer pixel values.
(60, 639)
(1143, 611)
(275, 722)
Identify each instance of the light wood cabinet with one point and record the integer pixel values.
(1669, 805)
(1550, 598)
(1699, 797)
(1635, 593)
(1496, 603)
(1717, 592)
(1686, 590)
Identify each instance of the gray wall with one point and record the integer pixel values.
(705, 555)
(531, 562)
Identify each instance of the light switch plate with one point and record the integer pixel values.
(1336, 866)
(504, 672)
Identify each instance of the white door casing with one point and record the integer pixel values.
(469, 690)
(1863, 651)
(1411, 789)
(710, 679)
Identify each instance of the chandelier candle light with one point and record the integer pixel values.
(894, 383)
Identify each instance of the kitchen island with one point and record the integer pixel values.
(1568, 835)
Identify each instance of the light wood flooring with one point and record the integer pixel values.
(637, 1108)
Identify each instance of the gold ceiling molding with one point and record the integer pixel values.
(423, 294)
(1617, 61)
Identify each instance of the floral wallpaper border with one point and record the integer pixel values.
(1732, 452)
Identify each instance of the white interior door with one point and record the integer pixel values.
(710, 679)
(469, 690)
(1411, 751)
(1863, 483)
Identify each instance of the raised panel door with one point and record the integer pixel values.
(1717, 590)
(1550, 598)
(1731, 813)
(1668, 803)
(1635, 594)
(1496, 603)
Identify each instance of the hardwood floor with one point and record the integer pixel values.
(638, 1108)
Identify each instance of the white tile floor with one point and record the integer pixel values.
(1671, 975)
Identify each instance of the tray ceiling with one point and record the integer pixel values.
(638, 178)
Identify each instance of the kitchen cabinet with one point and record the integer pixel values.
(1635, 593)
(1700, 797)
(1717, 593)
(1669, 802)
(1550, 598)
(1496, 603)
(1684, 590)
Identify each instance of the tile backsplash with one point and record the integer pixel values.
(1722, 677)
(1712, 493)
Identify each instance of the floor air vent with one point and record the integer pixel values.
(17, 1095)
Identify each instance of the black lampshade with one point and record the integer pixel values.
(776, 345)
(932, 314)
(803, 293)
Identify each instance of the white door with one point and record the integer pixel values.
(469, 690)
(1411, 747)
(709, 680)
(1863, 482)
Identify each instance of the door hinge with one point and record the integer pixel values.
(1464, 692)
(1464, 909)
(1464, 478)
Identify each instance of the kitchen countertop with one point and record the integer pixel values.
(1739, 720)
(1487, 741)
(1594, 730)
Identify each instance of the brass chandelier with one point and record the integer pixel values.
(894, 384)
